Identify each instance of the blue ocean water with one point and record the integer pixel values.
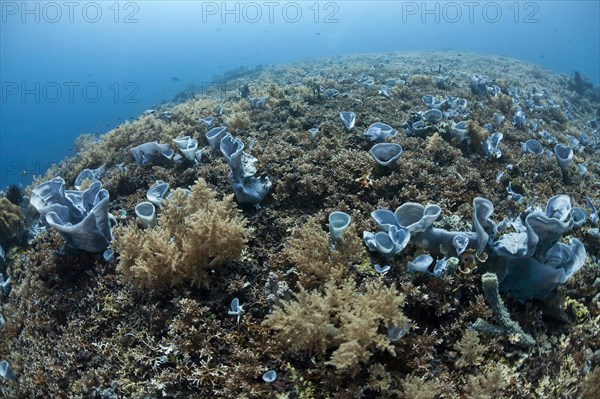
(68, 68)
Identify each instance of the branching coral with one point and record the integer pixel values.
(341, 318)
(194, 234)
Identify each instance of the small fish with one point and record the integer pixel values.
(175, 79)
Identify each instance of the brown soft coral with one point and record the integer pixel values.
(471, 350)
(308, 249)
(11, 220)
(341, 318)
(195, 233)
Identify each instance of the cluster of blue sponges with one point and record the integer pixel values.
(528, 257)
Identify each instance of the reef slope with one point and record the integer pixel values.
(315, 310)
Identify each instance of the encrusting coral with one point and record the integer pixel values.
(195, 233)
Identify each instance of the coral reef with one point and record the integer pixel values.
(309, 251)
(342, 319)
(11, 221)
(215, 292)
(506, 325)
(471, 350)
(195, 234)
(14, 194)
(80, 216)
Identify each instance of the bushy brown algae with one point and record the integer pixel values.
(78, 327)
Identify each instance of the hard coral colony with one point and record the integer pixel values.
(443, 253)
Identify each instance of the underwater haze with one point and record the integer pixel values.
(300, 199)
(68, 68)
